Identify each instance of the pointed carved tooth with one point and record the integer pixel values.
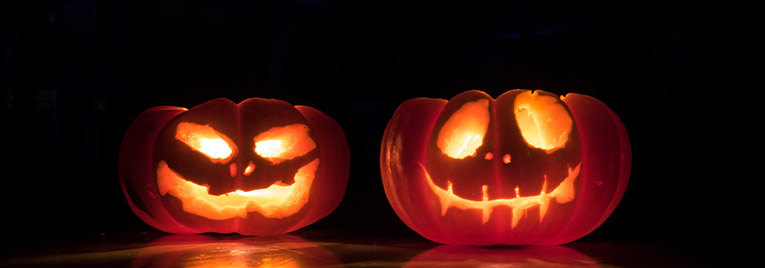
(446, 200)
(486, 207)
(517, 192)
(565, 191)
(486, 214)
(544, 201)
(517, 213)
(444, 205)
(544, 185)
(543, 208)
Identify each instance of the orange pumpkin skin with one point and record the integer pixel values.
(177, 179)
(505, 184)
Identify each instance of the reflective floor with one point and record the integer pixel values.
(161, 250)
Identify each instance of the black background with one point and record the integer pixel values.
(685, 79)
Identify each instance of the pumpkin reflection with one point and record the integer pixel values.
(194, 251)
(532, 256)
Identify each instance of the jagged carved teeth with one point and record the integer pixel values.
(562, 194)
(276, 201)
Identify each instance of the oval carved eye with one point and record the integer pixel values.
(543, 120)
(283, 143)
(463, 132)
(206, 140)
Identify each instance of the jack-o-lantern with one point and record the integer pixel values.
(260, 167)
(526, 168)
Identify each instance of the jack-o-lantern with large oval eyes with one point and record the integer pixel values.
(525, 168)
(260, 167)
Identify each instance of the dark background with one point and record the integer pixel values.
(685, 79)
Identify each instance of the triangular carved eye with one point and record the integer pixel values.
(283, 143)
(464, 131)
(206, 140)
(543, 120)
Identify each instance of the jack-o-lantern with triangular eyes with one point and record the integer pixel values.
(260, 167)
(525, 168)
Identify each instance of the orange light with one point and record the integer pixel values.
(248, 170)
(232, 169)
(204, 139)
(283, 143)
(269, 148)
(562, 194)
(543, 120)
(463, 132)
(276, 201)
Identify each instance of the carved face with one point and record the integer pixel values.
(256, 162)
(525, 168)
(519, 152)
(267, 169)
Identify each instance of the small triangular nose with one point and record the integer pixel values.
(232, 168)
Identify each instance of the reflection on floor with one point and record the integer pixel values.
(295, 251)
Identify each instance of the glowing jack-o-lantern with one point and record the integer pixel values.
(525, 168)
(260, 167)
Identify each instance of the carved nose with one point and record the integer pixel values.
(232, 169)
(505, 159)
(247, 170)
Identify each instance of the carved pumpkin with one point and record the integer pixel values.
(526, 168)
(260, 167)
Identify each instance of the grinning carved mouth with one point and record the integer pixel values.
(276, 201)
(562, 194)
